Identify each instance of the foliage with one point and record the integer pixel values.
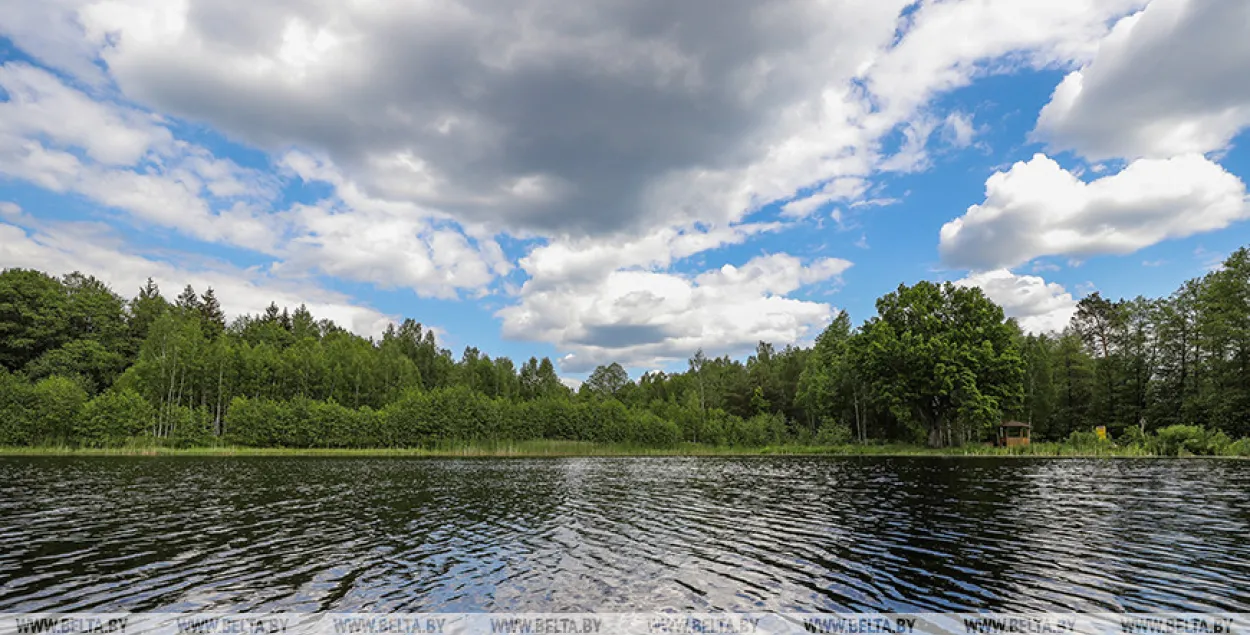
(1179, 439)
(833, 432)
(939, 364)
(943, 359)
(112, 418)
(56, 402)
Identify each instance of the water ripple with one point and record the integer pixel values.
(316, 534)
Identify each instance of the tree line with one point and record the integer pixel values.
(938, 364)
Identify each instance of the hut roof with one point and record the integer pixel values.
(1015, 424)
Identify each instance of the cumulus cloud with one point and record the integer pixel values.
(63, 140)
(539, 117)
(1039, 209)
(122, 158)
(92, 249)
(1038, 306)
(959, 130)
(647, 318)
(623, 137)
(388, 243)
(945, 45)
(531, 116)
(1170, 80)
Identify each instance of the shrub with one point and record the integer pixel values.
(1215, 443)
(1086, 440)
(1177, 439)
(112, 418)
(252, 422)
(55, 403)
(409, 421)
(15, 399)
(1133, 436)
(189, 427)
(650, 430)
(833, 432)
(1240, 447)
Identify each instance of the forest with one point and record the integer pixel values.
(938, 365)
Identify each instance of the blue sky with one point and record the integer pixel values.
(625, 184)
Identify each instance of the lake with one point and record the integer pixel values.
(623, 534)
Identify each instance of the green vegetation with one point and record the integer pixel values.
(934, 371)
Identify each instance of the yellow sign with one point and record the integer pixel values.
(1102, 432)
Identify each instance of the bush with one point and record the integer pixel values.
(1179, 439)
(15, 399)
(649, 430)
(1133, 436)
(832, 432)
(55, 403)
(1240, 447)
(189, 427)
(1215, 443)
(112, 418)
(1086, 440)
(760, 430)
(253, 422)
(409, 421)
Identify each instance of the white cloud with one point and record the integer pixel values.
(645, 318)
(40, 105)
(841, 189)
(1039, 209)
(63, 140)
(1039, 306)
(389, 243)
(586, 261)
(449, 106)
(1170, 80)
(92, 249)
(50, 31)
(959, 130)
(625, 137)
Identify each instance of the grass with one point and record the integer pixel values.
(543, 448)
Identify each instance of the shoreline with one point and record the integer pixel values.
(571, 449)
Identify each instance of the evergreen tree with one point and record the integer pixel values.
(213, 320)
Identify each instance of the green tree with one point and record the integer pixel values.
(145, 308)
(33, 316)
(112, 418)
(943, 358)
(54, 408)
(606, 381)
(97, 365)
(212, 319)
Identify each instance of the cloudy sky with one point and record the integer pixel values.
(624, 180)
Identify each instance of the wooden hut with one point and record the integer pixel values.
(1013, 433)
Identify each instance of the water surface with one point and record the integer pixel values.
(622, 534)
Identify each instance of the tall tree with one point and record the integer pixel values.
(607, 381)
(943, 357)
(33, 316)
(212, 319)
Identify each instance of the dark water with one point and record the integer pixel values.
(784, 534)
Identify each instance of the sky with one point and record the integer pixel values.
(626, 181)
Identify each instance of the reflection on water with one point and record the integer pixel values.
(611, 535)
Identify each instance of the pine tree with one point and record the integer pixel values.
(188, 301)
(145, 308)
(213, 320)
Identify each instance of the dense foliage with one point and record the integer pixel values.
(939, 364)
